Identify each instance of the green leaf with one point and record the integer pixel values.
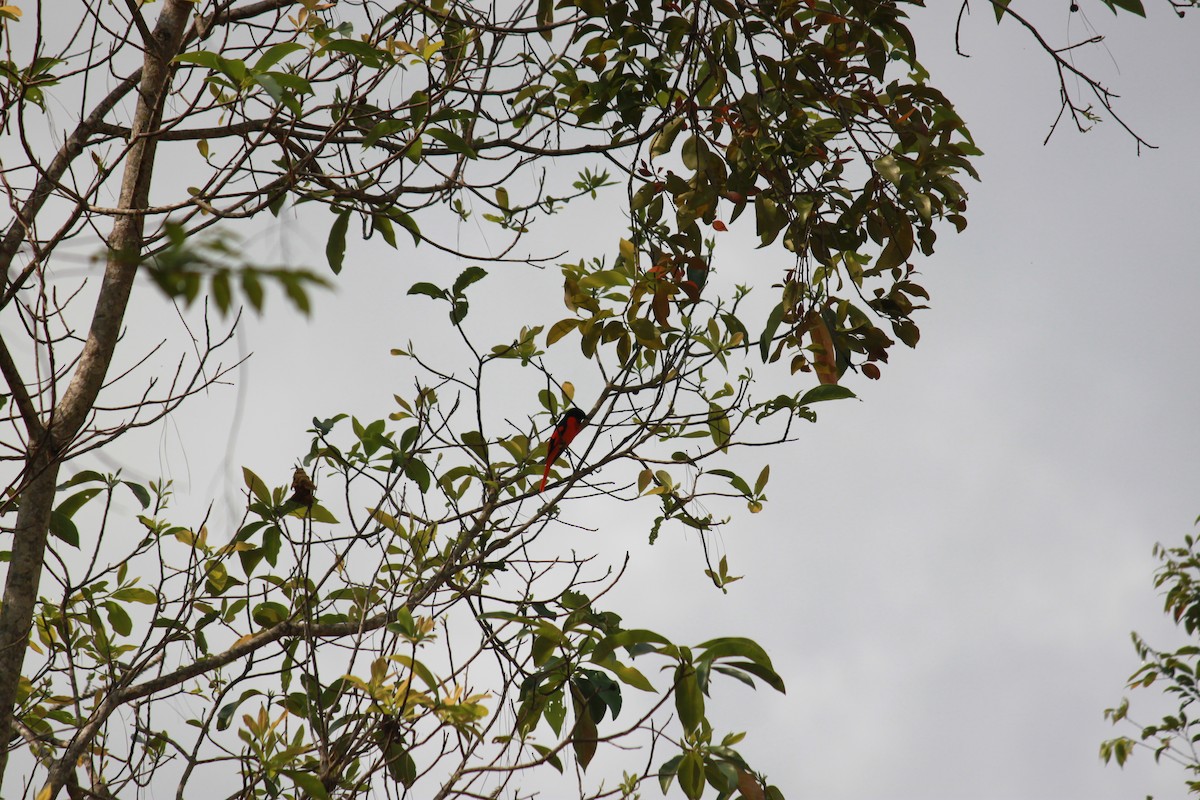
(201, 58)
(454, 143)
(135, 594)
(335, 247)
(308, 783)
(252, 287)
(225, 715)
(256, 486)
(383, 129)
(429, 290)
(400, 765)
(61, 527)
(768, 334)
(466, 278)
(662, 141)
(545, 19)
(1129, 5)
(118, 618)
(691, 775)
(584, 738)
(368, 55)
(628, 675)
(419, 473)
(478, 445)
(560, 329)
(275, 54)
(408, 223)
(83, 476)
(826, 391)
(76, 501)
(689, 700)
(718, 425)
(629, 638)
(139, 492)
(763, 477)
(269, 614)
(668, 771)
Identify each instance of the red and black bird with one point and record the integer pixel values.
(567, 429)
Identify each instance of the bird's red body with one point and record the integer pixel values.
(567, 429)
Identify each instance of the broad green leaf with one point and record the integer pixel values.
(269, 614)
(75, 502)
(307, 782)
(826, 391)
(560, 329)
(256, 486)
(629, 638)
(584, 738)
(1129, 5)
(135, 594)
(627, 674)
(118, 618)
(466, 278)
(383, 129)
(689, 700)
(429, 290)
(407, 222)
(61, 527)
(453, 142)
(691, 775)
(225, 715)
(662, 141)
(275, 54)
(139, 492)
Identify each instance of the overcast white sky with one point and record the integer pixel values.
(947, 572)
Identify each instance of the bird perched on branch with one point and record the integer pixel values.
(302, 488)
(567, 429)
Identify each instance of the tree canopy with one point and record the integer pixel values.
(404, 615)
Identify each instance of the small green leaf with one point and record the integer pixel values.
(763, 477)
(335, 247)
(768, 334)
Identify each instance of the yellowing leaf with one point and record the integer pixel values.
(824, 354)
(888, 168)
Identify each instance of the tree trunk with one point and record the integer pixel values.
(45, 456)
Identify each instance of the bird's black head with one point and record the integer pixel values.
(576, 414)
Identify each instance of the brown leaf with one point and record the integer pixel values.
(749, 787)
